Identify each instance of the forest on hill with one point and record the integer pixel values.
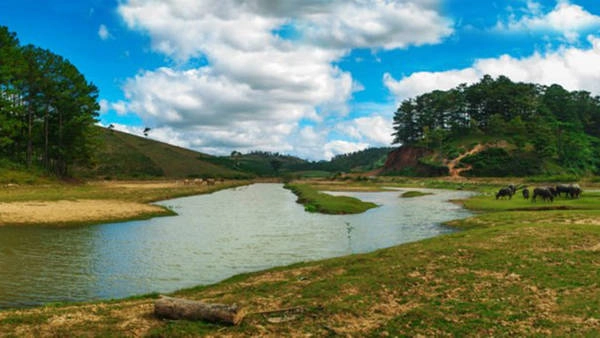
(263, 163)
(528, 129)
(47, 108)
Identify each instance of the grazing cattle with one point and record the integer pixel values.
(570, 190)
(574, 190)
(512, 188)
(544, 193)
(562, 188)
(526, 193)
(504, 192)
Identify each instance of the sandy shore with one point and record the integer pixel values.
(67, 211)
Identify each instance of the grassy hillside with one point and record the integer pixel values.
(122, 155)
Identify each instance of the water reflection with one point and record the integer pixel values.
(215, 236)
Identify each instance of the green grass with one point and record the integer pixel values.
(315, 201)
(110, 190)
(413, 193)
(487, 202)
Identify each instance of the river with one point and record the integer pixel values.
(213, 237)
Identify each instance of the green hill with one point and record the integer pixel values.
(121, 156)
(497, 127)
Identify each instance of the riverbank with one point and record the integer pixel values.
(514, 273)
(94, 202)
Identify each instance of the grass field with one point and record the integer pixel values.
(413, 193)
(511, 273)
(315, 201)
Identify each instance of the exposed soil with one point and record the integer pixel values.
(455, 172)
(407, 158)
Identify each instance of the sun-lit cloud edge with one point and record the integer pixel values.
(571, 67)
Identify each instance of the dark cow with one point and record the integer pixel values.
(512, 188)
(504, 192)
(570, 190)
(545, 193)
(526, 193)
(575, 190)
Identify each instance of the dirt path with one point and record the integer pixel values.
(455, 172)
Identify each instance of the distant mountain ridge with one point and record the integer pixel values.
(120, 155)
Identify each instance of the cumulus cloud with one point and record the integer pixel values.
(375, 24)
(185, 28)
(337, 147)
(566, 18)
(375, 130)
(573, 68)
(258, 83)
(103, 32)
(120, 107)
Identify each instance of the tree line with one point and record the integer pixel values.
(47, 108)
(558, 125)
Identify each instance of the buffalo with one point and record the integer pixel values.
(570, 190)
(504, 192)
(526, 193)
(545, 193)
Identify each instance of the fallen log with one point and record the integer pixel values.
(179, 308)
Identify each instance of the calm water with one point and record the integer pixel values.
(214, 237)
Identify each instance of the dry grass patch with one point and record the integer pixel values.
(71, 211)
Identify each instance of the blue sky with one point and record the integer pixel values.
(311, 78)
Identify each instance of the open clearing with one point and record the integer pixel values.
(84, 211)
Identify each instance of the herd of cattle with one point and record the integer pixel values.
(546, 193)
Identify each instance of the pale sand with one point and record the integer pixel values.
(70, 211)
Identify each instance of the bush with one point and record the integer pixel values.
(500, 163)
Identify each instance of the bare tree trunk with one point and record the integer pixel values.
(178, 308)
(46, 131)
(29, 137)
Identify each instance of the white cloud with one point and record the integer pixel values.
(375, 24)
(338, 147)
(120, 107)
(103, 32)
(566, 18)
(104, 106)
(375, 130)
(258, 84)
(186, 28)
(573, 68)
(423, 82)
